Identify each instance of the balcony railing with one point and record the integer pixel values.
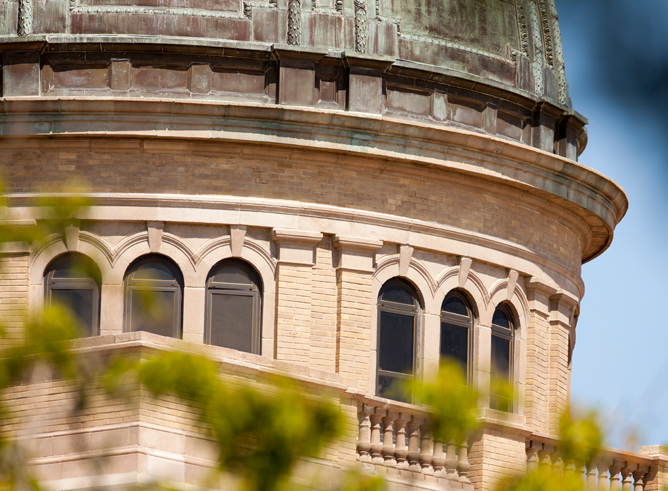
(396, 438)
(610, 469)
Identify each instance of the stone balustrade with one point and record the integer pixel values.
(397, 440)
(611, 469)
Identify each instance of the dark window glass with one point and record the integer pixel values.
(72, 281)
(456, 329)
(397, 339)
(153, 311)
(455, 305)
(455, 344)
(500, 319)
(234, 298)
(393, 388)
(501, 360)
(398, 294)
(154, 270)
(154, 293)
(234, 274)
(81, 303)
(396, 342)
(232, 319)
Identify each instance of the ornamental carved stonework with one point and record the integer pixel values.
(361, 28)
(522, 23)
(294, 22)
(537, 64)
(547, 35)
(25, 18)
(559, 55)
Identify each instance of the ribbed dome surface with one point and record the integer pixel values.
(512, 42)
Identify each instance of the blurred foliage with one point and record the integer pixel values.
(543, 480)
(453, 402)
(260, 435)
(581, 437)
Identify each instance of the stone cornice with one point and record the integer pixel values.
(357, 243)
(565, 187)
(228, 210)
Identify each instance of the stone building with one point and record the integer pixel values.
(338, 190)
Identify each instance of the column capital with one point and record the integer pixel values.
(296, 246)
(356, 253)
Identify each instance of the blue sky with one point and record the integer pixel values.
(620, 364)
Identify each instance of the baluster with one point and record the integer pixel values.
(557, 463)
(426, 448)
(568, 467)
(414, 444)
(544, 461)
(463, 465)
(388, 439)
(438, 461)
(400, 449)
(376, 446)
(580, 471)
(602, 466)
(364, 438)
(639, 478)
(591, 483)
(615, 468)
(627, 477)
(532, 456)
(451, 461)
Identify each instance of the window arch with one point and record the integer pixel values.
(73, 281)
(501, 366)
(457, 331)
(234, 306)
(398, 329)
(154, 296)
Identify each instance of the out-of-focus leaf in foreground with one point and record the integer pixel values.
(260, 435)
(453, 403)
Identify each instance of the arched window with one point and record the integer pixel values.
(153, 296)
(457, 331)
(233, 306)
(502, 359)
(398, 313)
(73, 281)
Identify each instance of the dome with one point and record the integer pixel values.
(513, 46)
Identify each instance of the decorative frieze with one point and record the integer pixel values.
(361, 27)
(522, 23)
(537, 64)
(547, 36)
(25, 18)
(559, 55)
(294, 22)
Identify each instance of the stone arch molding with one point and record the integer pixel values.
(448, 280)
(113, 261)
(417, 274)
(517, 299)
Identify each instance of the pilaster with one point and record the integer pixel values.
(296, 259)
(354, 308)
(538, 354)
(561, 307)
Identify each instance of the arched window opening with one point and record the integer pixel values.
(457, 331)
(154, 296)
(398, 314)
(234, 306)
(73, 281)
(502, 359)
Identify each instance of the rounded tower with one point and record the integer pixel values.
(346, 189)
